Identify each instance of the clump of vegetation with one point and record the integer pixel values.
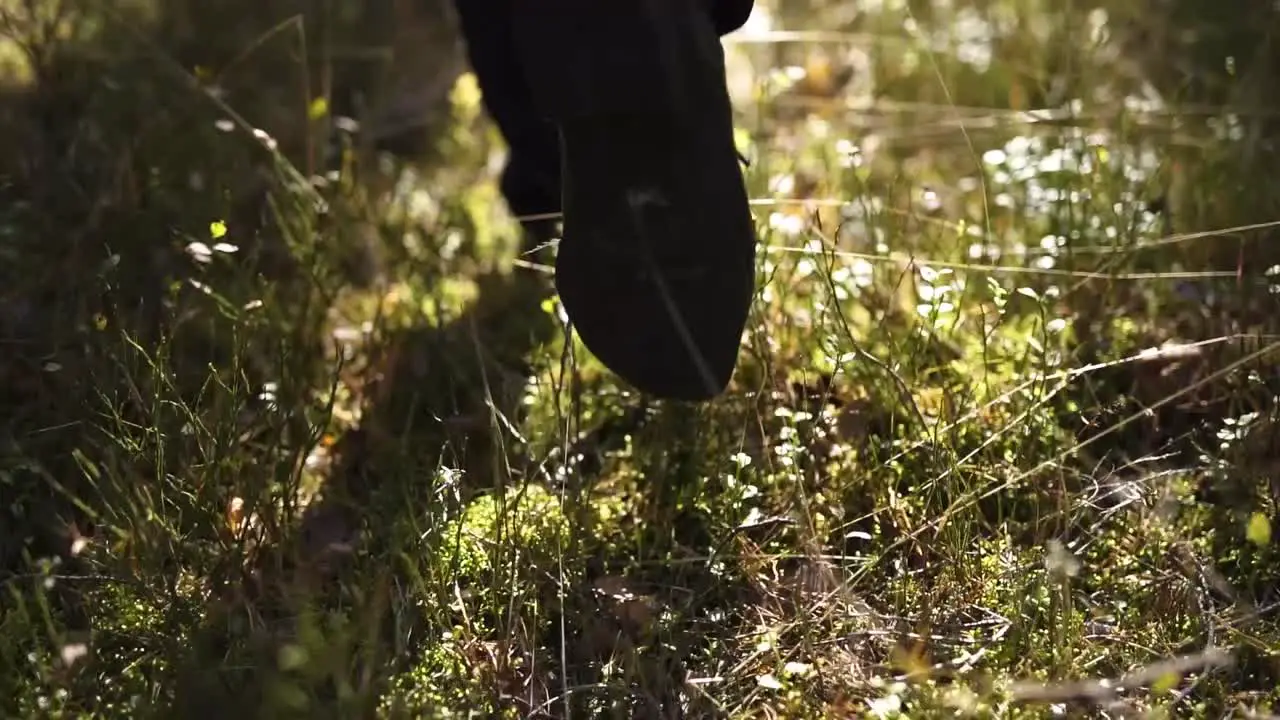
(284, 431)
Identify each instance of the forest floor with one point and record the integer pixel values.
(999, 444)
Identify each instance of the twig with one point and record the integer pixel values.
(1107, 689)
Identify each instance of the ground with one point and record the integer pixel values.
(286, 432)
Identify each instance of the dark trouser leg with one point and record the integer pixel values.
(729, 15)
(531, 180)
(656, 264)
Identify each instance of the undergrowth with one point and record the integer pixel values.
(286, 432)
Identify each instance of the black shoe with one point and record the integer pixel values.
(656, 266)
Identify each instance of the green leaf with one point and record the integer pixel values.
(319, 108)
(1165, 683)
(1259, 530)
(217, 229)
(293, 657)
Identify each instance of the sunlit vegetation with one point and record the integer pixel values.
(287, 430)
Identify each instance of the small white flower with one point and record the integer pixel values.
(72, 653)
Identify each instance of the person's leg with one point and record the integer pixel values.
(531, 180)
(729, 15)
(628, 98)
(656, 264)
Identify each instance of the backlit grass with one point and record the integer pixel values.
(285, 441)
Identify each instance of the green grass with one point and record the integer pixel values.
(1000, 444)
